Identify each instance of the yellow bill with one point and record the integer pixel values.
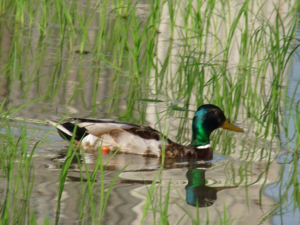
(230, 126)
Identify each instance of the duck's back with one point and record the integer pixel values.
(124, 137)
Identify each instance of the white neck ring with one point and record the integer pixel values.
(203, 146)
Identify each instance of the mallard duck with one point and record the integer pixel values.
(144, 140)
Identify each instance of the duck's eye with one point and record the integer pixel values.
(217, 113)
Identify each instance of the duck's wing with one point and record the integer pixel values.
(127, 137)
(89, 126)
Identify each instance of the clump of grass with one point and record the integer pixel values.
(88, 201)
(16, 171)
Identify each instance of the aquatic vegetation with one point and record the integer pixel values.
(151, 63)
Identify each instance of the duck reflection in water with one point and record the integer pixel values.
(197, 193)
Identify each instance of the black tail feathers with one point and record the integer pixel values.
(79, 134)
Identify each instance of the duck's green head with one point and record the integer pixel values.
(208, 118)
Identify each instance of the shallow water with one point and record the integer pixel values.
(286, 213)
(243, 184)
(223, 180)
